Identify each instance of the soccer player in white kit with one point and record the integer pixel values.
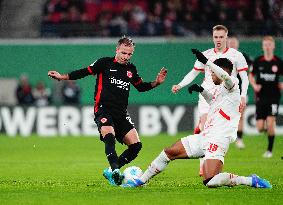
(220, 50)
(219, 131)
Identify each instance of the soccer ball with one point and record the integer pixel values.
(132, 173)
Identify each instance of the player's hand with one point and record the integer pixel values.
(175, 88)
(161, 76)
(196, 88)
(257, 88)
(55, 75)
(201, 58)
(243, 104)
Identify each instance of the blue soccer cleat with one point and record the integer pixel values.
(107, 173)
(117, 177)
(258, 182)
(133, 183)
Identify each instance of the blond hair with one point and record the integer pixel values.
(220, 27)
(268, 38)
(127, 41)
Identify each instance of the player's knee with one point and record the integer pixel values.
(135, 148)
(171, 153)
(109, 139)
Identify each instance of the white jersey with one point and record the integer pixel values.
(223, 115)
(236, 57)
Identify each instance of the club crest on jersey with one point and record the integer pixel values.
(103, 120)
(274, 68)
(129, 74)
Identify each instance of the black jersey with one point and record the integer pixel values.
(267, 75)
(112, 83)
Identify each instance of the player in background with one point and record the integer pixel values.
(220, 130)
(233, 42)
(264, 78)
(220, 50)
(114, 76)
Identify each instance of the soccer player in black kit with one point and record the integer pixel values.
(114, 76)
(264, 78)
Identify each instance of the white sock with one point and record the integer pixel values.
(156, 166)
(229, 179)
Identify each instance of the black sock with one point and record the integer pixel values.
(129, 154)
(270, 142)
(240, 134)
(110, 151)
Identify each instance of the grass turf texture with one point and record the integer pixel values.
(68, 170)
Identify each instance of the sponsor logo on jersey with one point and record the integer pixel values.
(103, 120)
(129, 74)
(112, 70)
(274, 68)
(267, 76)
(120, 83)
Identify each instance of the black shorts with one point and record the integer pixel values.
(121, 122)
(263, 110)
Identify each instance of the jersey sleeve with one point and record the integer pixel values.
(138, 83)
(198, 66)
(254, 67)
(96, 67)
(241, 64)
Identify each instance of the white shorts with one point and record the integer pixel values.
(198, 146)
(203, 106)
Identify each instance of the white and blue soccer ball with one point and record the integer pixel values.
(132, 173)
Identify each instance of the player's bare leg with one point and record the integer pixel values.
(260, 125)
(201, 125)
(213, 177)
(239, 142)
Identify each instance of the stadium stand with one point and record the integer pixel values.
(66, 18)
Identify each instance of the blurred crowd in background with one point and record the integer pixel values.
(40, 95)
(69, 18)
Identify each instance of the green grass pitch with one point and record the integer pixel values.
(68, 170)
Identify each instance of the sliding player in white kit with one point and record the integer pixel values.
(220, 50)
(219, 131)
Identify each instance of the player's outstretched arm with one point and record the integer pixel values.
(160, 78)
(57, 76)
(186, 80)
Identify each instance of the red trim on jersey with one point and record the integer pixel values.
(138, 82)
(89, 70)
(221, 112)
(199, 69)
(242, 69)
(263, 59)
(226, 49)
(98, 94)
(115, 61)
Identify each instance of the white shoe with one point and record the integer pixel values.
(267, 154)
(240, 144)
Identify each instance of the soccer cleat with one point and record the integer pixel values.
(258, 182)
(117, 177)
(240, 144)
(267, 154)
(107, 173)
(133, 183)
